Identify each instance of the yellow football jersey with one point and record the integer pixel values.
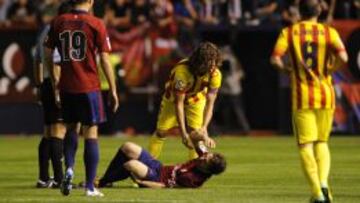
(310, 46)
(181, 81)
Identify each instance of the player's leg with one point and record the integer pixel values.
(322, 152)
(194, 119)
(116, 171)
(137, 169)
(91, 155)
(166, 121)
(53, 119)
(71, 144)
(92, 114)
(156, 143)
(305, 130)
(70, 112)
(43, 159)
(47, 100)
(141, 164)
(56, 150)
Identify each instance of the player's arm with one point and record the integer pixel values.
(341, 59)
(49, 62)
(104, 47)
(149, 184)
(280, 49)
(213, 87)
(207, 116)
(106, 67)
(180, 116)
(209, 107)
(53, 71)
(338, 48)
(278, 63)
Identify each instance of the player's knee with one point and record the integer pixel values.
(303, 145)
(321, 142)
(90, 132)
(160, 134)
(129, 165)
(74, 127)
(128, 147)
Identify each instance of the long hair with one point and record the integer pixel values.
(200, 61)
(217, 164)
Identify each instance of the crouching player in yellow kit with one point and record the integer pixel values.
(189, 98)
(315, 51)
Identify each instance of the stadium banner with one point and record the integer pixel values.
(16, 49)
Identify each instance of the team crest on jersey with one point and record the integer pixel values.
(179, 85)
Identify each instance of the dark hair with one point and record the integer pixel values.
(65, 7)
(201, 58)
(309, 8)
(217, 164)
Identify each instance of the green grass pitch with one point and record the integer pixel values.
(260, 169)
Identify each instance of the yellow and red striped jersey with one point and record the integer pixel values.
(182, 81)
(310, 47)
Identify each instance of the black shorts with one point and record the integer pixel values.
(86, 108)
(52, 114)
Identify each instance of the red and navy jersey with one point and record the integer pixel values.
(79, 37)
(185, 175)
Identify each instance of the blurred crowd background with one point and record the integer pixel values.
(148, 37)
(126, 14)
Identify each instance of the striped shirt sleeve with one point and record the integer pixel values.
(282, 44)
(336, 43)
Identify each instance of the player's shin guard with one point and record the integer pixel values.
(322, 155)
(156, 145)
(70, 147)
(56, 153)
(115, 170)
(310, 168)
(91, 159)
(193, 154)
(43, 158)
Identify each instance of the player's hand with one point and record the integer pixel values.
(203, 131)
(57, 98)
(187, 142)
(114, 101)
(209, 142)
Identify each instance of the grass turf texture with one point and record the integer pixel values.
(260, 169)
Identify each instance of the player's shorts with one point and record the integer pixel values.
(167, 115)
(154, 166)
(86, 108)
(52, 114)
(312, 125)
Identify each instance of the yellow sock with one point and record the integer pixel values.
(310, 168)
(155, 146)
(322, 155)
(193, 154)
